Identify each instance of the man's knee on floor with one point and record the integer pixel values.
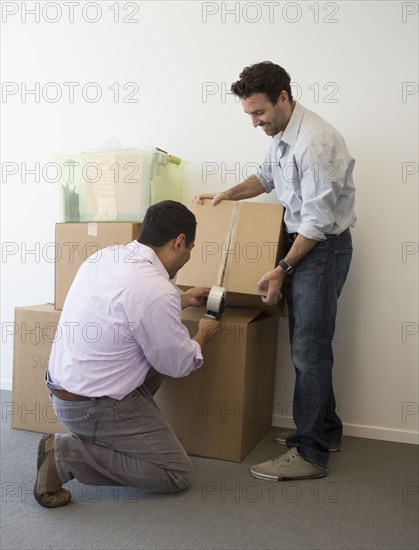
(180, 482)
(181, 479)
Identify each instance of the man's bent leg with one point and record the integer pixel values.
(125, 442)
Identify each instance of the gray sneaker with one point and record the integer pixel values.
(282, 436)
(290, 465)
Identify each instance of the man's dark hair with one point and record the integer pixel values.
(166, 220)
(266, 78)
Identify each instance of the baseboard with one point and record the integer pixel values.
(359, 430)
(384, 434)
(5, 384)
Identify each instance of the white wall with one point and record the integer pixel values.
(362, 55)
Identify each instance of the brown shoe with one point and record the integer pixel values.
(48, 490)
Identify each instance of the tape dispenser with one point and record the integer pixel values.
(216, 302)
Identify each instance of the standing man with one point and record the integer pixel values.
(101, 384)
(310, 168)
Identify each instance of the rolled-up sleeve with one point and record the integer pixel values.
(165, 341)
(264, 172)
(322, 176)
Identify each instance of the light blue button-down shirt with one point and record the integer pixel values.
(311, 168)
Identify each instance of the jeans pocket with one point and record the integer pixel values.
(128, 407)
(85, 419)
(74, 411)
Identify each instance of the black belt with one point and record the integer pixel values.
(293, 236)
(68, 396)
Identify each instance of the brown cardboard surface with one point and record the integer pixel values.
(223, 409)
(208, 257)
(75, 242)
(236, 244)
(254, 246)
(35, 330)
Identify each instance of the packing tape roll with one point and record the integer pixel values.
(216, 302)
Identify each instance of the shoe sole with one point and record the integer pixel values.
(41, 458)
(276, 478)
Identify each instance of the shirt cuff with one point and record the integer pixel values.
(199, 360)
(311, 232)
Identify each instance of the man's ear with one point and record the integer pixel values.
(283, 97)
(179, 240)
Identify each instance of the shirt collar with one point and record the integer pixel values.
(146, 253)
(290, 134)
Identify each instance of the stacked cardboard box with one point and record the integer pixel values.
(236, 243)
(75, 242)
(35, 331)
(36, 327)
(223, 409)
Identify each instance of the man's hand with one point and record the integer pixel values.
(272, 281)
(207, 328)
(247, 189)
(194, 297)
(216, 197)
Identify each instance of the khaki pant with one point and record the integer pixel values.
(126, 442)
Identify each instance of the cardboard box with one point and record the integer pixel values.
(35, 330)
(223, 409)
(75, 242)
(236, 244)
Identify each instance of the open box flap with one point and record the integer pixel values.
(231, 314)
(206, 265)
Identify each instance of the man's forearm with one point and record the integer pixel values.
(184, 301)
(247, 189)
(273, 280)
(300, 248)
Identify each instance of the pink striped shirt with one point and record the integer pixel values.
(121, 316)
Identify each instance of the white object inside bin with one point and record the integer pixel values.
(116, 183)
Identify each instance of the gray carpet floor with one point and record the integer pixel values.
(369, 500)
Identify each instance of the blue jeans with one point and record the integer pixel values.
(312, 293)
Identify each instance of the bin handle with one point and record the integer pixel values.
(170, 158)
